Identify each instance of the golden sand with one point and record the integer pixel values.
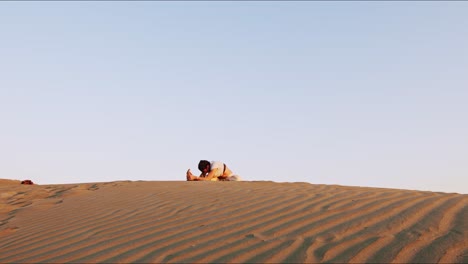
(231, 222)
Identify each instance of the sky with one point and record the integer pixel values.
(349, 93)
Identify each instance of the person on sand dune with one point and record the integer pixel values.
(212, 171)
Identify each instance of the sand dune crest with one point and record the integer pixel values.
(229, 222)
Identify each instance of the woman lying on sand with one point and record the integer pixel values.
(213, 171)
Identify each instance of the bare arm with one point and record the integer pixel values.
(211, 174)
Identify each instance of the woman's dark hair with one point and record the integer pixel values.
(202, 164)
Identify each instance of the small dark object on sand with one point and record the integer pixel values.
(27, 182)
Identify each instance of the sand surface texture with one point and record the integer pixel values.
(234, 222)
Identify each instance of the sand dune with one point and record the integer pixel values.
(234, 222)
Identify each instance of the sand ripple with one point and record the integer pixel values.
(229, 222)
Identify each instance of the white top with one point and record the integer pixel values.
(217, 165)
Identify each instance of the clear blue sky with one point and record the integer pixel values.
(348, 93)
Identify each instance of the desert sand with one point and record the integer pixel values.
(231, 222)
